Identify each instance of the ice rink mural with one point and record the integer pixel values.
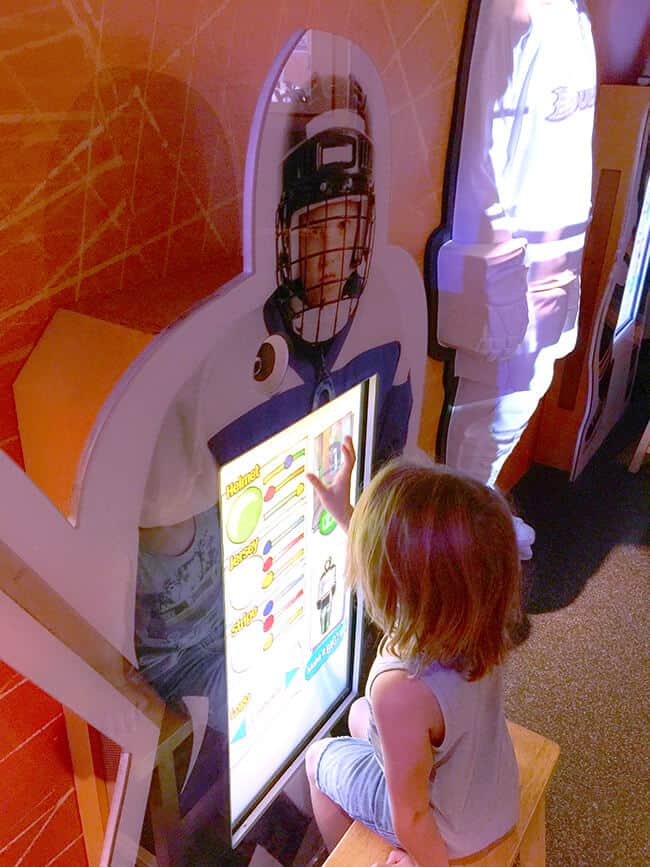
(503, 271)
(217, 578)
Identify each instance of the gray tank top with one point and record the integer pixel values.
(474, 787)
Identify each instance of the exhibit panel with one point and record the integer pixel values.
(593, 385)
(503, 268)
(222, 579)
(290, 623)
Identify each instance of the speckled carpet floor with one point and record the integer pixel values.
(583, 676)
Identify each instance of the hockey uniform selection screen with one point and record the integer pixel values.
(287, 612)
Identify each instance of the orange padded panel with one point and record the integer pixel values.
(66, 379)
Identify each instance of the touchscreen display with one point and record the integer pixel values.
(289, 620)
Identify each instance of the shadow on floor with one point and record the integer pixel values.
(578, 523)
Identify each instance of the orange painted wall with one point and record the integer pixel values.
(39, 820)
(123, 134)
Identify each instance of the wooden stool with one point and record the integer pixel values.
(536, 757)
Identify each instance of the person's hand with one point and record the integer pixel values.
(396, 858)
(336, 497)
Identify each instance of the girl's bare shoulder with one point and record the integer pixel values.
(397, 695)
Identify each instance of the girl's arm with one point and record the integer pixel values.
(336, 497)
(409, 720)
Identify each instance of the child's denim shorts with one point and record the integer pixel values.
(349, 773)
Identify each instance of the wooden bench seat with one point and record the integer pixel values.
(536, 757)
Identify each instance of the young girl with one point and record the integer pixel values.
(430, 765)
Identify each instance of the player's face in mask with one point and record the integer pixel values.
(327, 234)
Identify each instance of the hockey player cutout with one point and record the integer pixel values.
(338, 316)
(508, 280)
(321, 189)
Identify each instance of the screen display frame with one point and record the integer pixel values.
(364, 403)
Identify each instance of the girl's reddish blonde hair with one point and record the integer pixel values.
(435, 556)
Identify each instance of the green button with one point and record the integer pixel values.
(326, 523)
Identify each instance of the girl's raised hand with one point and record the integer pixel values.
(336, 497)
